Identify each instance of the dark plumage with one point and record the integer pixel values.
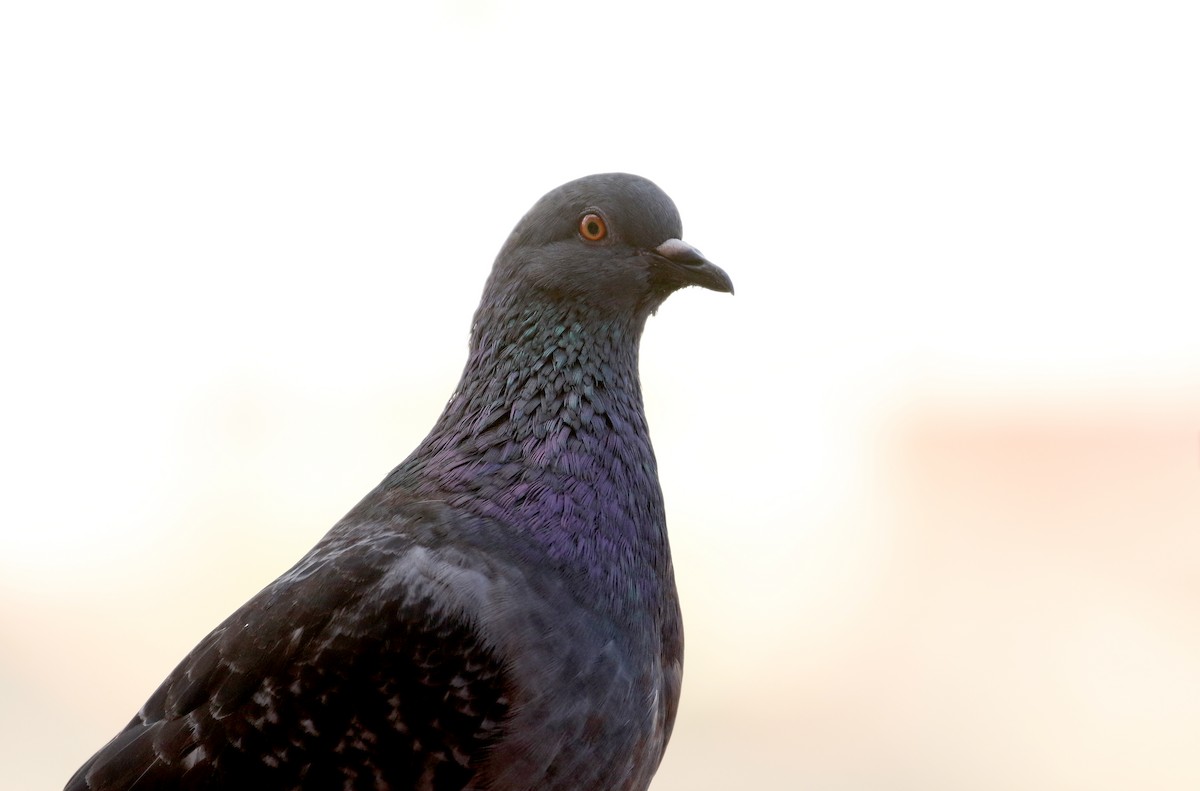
(500, 612)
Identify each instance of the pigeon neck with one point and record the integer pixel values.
(547, 434)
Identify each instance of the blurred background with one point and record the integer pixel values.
(933, 475)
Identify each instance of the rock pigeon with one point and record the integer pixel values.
(500, 612)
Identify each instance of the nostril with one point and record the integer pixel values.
(680, 251)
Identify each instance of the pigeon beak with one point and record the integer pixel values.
(693, 268)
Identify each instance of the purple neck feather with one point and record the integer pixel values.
(547, 434)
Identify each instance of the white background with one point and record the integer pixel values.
(933, 475)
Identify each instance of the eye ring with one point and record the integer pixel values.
(593, 227)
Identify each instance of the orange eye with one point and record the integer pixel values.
(592, 227)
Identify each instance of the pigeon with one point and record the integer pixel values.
(500, 612)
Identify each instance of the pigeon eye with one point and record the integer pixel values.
(592, 227)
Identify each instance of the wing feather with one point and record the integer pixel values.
(330, 667)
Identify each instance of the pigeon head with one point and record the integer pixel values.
(611, 243)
